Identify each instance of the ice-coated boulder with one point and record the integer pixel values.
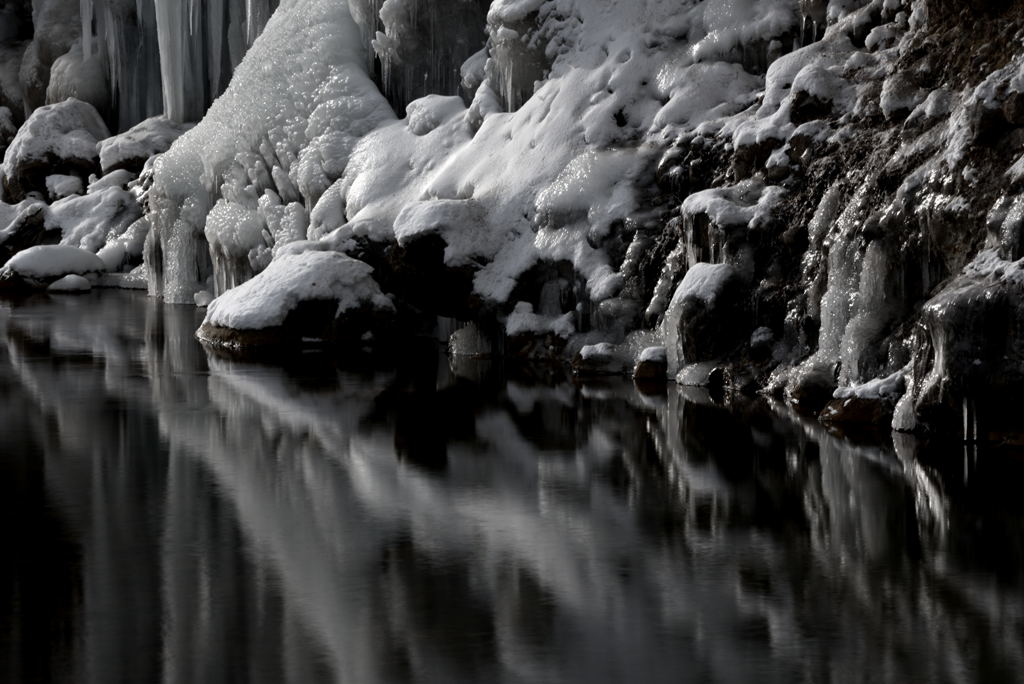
(131, 149)
(58, 138)
(304, 297)
(37, 267)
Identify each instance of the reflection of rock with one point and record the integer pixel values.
(862, 412)
(572, 533)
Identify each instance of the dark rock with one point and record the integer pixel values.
(969, 364)
(311, 322)
(652, 365)
(1013, 108)
(417, 274)
(535, 348)
(598, 359)
(875, 412)
(713, 317)
(810, 388)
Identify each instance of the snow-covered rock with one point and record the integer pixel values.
(57, 138)
(708, 310)
(37, 267)
(23, 225)
(91, 221)
(318, 295)
(130, 150)
(60, 186)
(651, 365)
(115, 179)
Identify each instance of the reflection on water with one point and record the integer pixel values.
(177, 518)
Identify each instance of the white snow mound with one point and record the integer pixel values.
(266, 300)
(52, 261)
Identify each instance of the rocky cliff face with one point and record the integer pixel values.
(820, 200)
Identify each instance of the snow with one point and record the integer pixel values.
(12, 215)
(704, 282)
(653, 355)
(729, 24)
(139, 143)
(70, 283)
(889, 387)
(283, 130)
(115, 179)
(899, 94)
(597, 352)
(60, 186)
(703, 92)
(48, 261)
(523, 320)
(266, 300)
(512, 11)
(90, 221)
(545, 182)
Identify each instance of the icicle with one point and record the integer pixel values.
(215, 33)
(171, 35)
(86, 10)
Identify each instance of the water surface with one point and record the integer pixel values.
(175, 517)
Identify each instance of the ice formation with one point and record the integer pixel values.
(272, 143)
(578, 170)
(169, 57)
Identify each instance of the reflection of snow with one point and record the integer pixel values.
(565, 535)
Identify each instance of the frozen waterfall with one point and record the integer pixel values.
(169, 56)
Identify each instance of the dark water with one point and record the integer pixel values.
(169, 517)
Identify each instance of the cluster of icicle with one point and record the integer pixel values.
(170, 56)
